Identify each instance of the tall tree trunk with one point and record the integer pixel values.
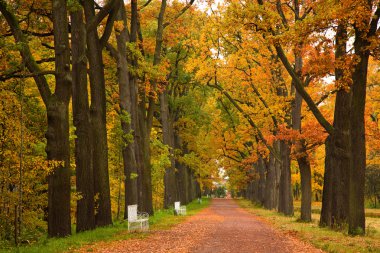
(98, 122)
(141, 127)
(325, 219)
(301, 153)
(183, 173)
(57, 135)
(334, 211)
(356, 216)
(81, 115)
(146, 173)
(171, 192)
(128, 150)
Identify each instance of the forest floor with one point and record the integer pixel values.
(222, 227)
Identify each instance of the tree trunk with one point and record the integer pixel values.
(58, 149)
(98, 122)
(190, 184)
(170, 184)
(334, 211)
(125, 90)
(81, 115)
(183, 172)
(261, 187)
(271, 186)
(305, 171)
(57, 135)
(301, 153)
(285, 203)
(146, 173)
(356, 216)
(325, 219)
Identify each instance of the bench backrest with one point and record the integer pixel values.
(177, 205)
(132, 212)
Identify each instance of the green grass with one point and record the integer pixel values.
(322, 238)
(162, 219)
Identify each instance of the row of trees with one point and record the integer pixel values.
(122, 69)
(163, 94)
(278, 66)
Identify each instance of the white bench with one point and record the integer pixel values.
(178, 209)
(134, 217)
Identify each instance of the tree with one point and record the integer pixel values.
(56, 103)
(81, 117)
(98, 105)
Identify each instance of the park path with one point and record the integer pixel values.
(222, 227)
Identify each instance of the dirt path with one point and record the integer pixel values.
(222, 227)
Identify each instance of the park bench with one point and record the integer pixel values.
(178, 209)
(137, 220)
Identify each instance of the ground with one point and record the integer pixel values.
(222, 227)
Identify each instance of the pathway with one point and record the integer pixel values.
(222, 227)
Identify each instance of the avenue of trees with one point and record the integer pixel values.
(105, 104)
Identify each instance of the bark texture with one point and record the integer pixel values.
(98, 122)
(81, 114)
(57, 134)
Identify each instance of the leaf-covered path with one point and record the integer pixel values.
(222, 227)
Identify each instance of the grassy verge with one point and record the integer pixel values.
(162, 219)
(322, 238)
(316, 208)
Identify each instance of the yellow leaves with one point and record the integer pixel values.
(118, 26)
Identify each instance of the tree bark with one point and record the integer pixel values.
(261, 186)
(334, 211)
(81, 114)
(183, 173)
(128, 150)
(356, 216)
(272, 183)
(146, 173)
(98, 122)
(300, 147)
(57, 134)
(285, 202)
(305, 171)
(171, 191)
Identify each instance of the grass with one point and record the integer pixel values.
(162, 219)
(316, 208)
(322, 238)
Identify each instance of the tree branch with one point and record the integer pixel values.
(184, 9)
(47, 45)
(25, 52)
(373, 26)
(299, 85)
(145, 5)
(109, 25)
(7, 77)
(100, 15)
(247, 117)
